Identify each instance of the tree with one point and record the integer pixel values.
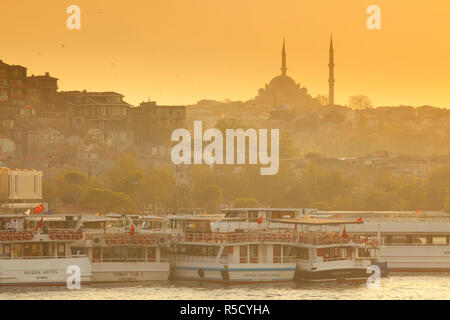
(447, 205)
(438, 188)
(323, 99)
(68, 187)
(245, 203)
(125, 176)
(103, 200)
(158, 188)
(209, 198)
(359, 102)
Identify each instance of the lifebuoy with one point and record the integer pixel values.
(356, 238)
(336, 239)
(60, 235)
(326, 240)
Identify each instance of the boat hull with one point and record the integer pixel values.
(42, 272)
(416, 258)
(235, 273)
(344, 274)
(130, 271)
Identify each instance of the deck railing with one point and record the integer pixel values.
(239, 260)
(30, 234)
(41, 257)
(285, 236)
(115, 260)
(417, 244)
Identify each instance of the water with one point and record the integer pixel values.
(403, 286)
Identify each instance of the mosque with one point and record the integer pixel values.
(284, 95)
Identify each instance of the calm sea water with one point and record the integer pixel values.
(396, 286)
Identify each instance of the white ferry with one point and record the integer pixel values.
(234, 257)
(323, 251)
(412, 241)
(39, 257)
(121, 253)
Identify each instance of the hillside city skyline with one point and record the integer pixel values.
(163, 52)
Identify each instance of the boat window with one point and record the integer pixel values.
(283, 214)
(286, 251)
(151, 253)
(61, 249)
(97, 254)
(7, 250)
(349, 252)
(398, 239)
(133, 253)
(439, 239)
(116, 253)
(164, 253)
(420, 240)
(123, 252)
(235, 214)
(243, 254)
(303, 253)
(277, 253)
(18, 252)
(253, 250)
(226, 251)
(253, 216)
(107, 254)
(27, 250)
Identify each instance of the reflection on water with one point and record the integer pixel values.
(396, 286)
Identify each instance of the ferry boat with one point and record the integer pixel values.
(39, 253)
(125, 250)
(232, 257)
(322, 249)
(412, 241)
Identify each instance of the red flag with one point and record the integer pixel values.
(39, 208)
(359, 219)
(344, 233)
(40, 224)
(132, 231)
(260, 220)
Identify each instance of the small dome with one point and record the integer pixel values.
(282, 81)
(282, 107)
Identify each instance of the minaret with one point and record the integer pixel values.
(283, 60)
(331, 75)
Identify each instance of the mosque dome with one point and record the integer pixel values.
(282, 81)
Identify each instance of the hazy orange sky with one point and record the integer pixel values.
(181, 51)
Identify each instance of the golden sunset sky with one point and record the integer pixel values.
(181, 51)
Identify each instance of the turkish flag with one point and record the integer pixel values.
(40, 224)
(344, 233)
(260, 220)
(39, 208)
(132, 231)
(359, 219)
